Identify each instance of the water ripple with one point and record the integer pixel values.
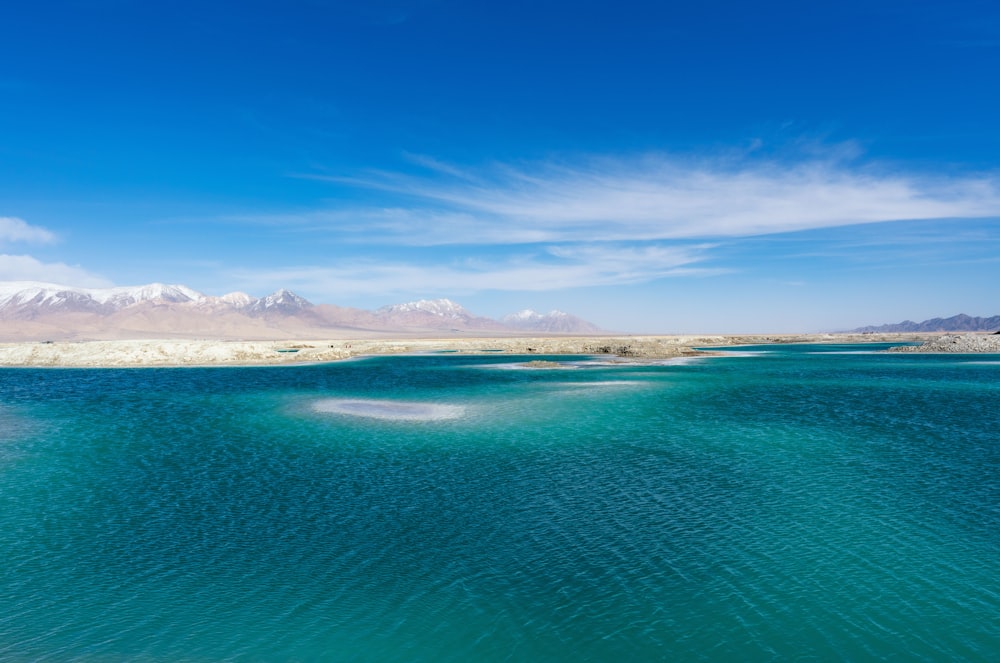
(829, 507)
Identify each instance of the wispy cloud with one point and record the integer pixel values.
(652, 198)
(601, 221)
(13, 229)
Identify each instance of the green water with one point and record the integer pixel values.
(794, 502)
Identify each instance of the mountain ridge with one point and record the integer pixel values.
(34, 310)
(956, 323)
(554, 321)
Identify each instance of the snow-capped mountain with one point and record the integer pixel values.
(238, 299)
(526, 317)
(442, 314)
(282, 302)
(443, 308)
(34, 310)
(553, 321)
(29, 295)
(35, 297)
(155, 292)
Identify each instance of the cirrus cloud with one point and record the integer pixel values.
(605, 221)
(650, 198)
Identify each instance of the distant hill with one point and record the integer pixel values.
(45, 311)
(956, 323)
(433, 314)
(551, 322)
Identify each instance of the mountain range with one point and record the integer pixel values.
(956, 323)
(46, 311)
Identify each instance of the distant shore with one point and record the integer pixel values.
(184, 352)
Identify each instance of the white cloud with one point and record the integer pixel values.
(27, 268)
(651, 198)
(13, 229)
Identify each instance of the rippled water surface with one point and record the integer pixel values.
(797, 502)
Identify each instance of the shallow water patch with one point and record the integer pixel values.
(534, 365)
(388, 410)
(600, 383)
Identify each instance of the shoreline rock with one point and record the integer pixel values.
(956, 343)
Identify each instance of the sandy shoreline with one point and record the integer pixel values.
(179, 352)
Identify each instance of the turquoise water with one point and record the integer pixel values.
(787, 502)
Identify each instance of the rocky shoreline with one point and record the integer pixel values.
(179, 352)
(955, 343)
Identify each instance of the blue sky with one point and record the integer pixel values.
(650, 166)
